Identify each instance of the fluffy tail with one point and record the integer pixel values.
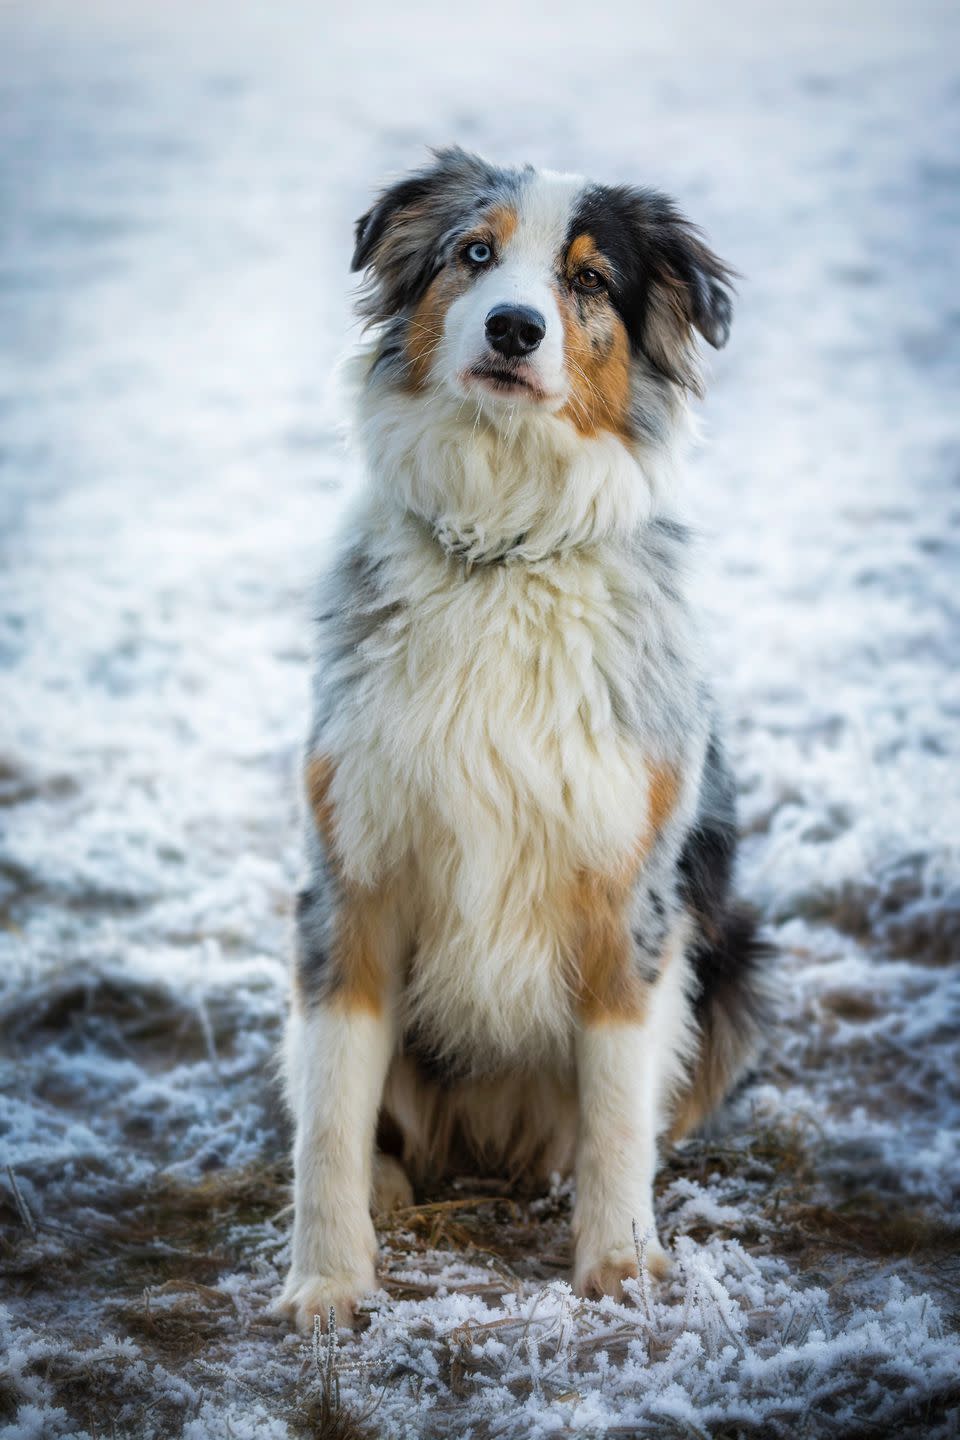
(732, 1012)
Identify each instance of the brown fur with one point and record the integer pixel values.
(583, 254)
(498, 225)
(664, 792)
(719, 1062)
(318, 779)
(732, 1012)
(597, 351)
(608, 985)
(608, 1279)
(358, 951)
(517, 1124)
(425, 331)
(363, 915)
(426, 324)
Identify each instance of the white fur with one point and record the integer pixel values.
(336, 1063)
(481, 753)
(525, 276)
(478, 748)
(669, 1027)
(481, 484)
(626, 1073)
(616, 1149)
(479, 762)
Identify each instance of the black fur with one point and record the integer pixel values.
(730, 961)
(666, 281)
(649, 243)
(731, 973)
(706, 862)
(311, 955)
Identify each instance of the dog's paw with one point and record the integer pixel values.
(605, 1274)
(391, 1187)
(305, 1296)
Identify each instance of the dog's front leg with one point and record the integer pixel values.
(616, 1156)
(338, 1053)
(340, 1039)
(619, 1057)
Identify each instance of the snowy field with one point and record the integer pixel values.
(178, 184)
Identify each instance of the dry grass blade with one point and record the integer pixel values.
(23, 1210)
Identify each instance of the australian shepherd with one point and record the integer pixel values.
(516, 945)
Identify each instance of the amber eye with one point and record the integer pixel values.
(588, 280)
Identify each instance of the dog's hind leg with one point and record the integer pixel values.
(391, 1185)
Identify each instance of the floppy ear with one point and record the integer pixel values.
(689, 288)
(403, 239)
(371, 227)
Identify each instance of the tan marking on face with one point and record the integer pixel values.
(583, 254)
(498, 224)
(596, 350)
(425, 332)
(362, 914)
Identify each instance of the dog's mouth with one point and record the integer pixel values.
(504, 381)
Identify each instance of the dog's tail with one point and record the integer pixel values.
(732, 1009)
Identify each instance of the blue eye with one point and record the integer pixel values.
(479, 253)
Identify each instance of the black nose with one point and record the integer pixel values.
(515, 329)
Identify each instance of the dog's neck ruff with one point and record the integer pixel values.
(515, 493)
(473, 549)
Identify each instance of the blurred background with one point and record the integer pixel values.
(178, 186)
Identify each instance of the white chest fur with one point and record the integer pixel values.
(481, 748)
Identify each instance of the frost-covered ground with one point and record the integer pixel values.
(177, 186)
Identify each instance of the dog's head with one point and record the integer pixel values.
(528, 289)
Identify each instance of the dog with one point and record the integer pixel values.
(516, 946)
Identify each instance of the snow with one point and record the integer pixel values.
(177, 191)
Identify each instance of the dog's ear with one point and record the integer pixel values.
(403, 239)
(667, 283)
(688, 288)
(371, 227)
